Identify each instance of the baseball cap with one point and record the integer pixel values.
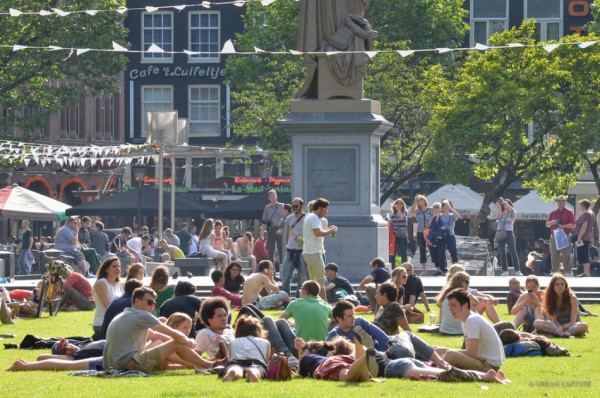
(58, 347)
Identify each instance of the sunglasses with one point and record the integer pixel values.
(151, 302)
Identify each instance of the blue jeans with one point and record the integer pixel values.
(280, 335)
(512, 249)
(408, 345)
(398, 367)
(449, 243)
(401, 245)
(293, 259)
(22, 261)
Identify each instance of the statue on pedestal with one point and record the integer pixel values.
(331, 26)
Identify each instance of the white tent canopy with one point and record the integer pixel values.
(20, 203)
(533, 207)
(466, 201)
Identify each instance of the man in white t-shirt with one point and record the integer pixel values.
(215, 339)
(313, 249)
(484, 350)
(137, 244)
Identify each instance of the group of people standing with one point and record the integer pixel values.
(435, 231)
(436, 235)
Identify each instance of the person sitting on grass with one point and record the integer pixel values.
(413, 289)
(185, 300)
(128, 332)
(526, 305)
(559, 312)
(250, 352)
(514, 292)
(311, 314)
(67, 356)
(484, 349)
(219, 291)
(78, 292)
(264, 278)
(379, 274)
(215, 339)
(392, 314)
(160, 284)
(337, 286)
(234, 280)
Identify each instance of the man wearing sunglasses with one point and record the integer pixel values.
(127, 334)
(561, 219)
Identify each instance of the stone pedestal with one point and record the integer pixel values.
(335, 155)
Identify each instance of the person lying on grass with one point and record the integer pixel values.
(250, 351)
(67, 356)
(315, 362)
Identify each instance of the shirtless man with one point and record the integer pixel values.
(263, 278)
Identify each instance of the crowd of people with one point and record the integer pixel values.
(166, 326)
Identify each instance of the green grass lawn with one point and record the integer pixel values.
(576, 376)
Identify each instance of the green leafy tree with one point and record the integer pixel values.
(262, 85)
(36, 83)
(483, 128)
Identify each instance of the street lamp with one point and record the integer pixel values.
(138, 172)
(161, 129)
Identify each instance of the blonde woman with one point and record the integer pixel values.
(398, 221)
(206, 239)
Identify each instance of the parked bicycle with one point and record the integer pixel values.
(51, 292)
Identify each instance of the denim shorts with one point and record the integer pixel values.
(398, 367)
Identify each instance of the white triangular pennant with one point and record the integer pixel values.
(228, 48)
(443, 50)
(479, 46)
(258, 50)
(82, 50)
(61, 12)
(14, 13)
(295, 52)
(512, 45)
(122, 10)
(17, 47)
(239, 3)
(586, 44)
(406, 53)
(55, 48)
(371, 54)
(267, 2)
(151, 8)
(26, 161)
(45, 13)
(91, 12)
(180, 8)
(118, 47)
(206, 4)
(551, 47)
(155, 49)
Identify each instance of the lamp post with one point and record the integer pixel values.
(138, 174)
(161, 129)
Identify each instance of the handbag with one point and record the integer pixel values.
(279, 368)
(400, 232)
(500, 235)
(415, 315)
(574, 237)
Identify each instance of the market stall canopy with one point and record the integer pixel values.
(126, 204)
(250, 207)
(20, 203)
(464, 200)
(533, 207)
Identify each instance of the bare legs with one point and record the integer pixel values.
(236, 372)
(50, 364)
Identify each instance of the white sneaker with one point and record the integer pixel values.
(518, 273)
(505, 273)
(568, 274)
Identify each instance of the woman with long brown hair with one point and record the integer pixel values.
(106, 288)
(559, 312)
(160, 284)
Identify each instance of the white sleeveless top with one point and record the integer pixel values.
(248, 348)
(114, 290)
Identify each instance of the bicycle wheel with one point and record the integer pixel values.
(57, 297)
(42, 299)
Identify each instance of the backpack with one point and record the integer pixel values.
(522, 350)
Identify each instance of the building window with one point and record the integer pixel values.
(106, 115)
(204, 36)
(234, 167)
(33, 125)
(71, 123)
(155, 98)
(487, 17)
(157, 28)
(548, 18)
(204, 172)
(205, 110)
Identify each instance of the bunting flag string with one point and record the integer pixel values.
(19, 153)
(228, 49)
(13, 12)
